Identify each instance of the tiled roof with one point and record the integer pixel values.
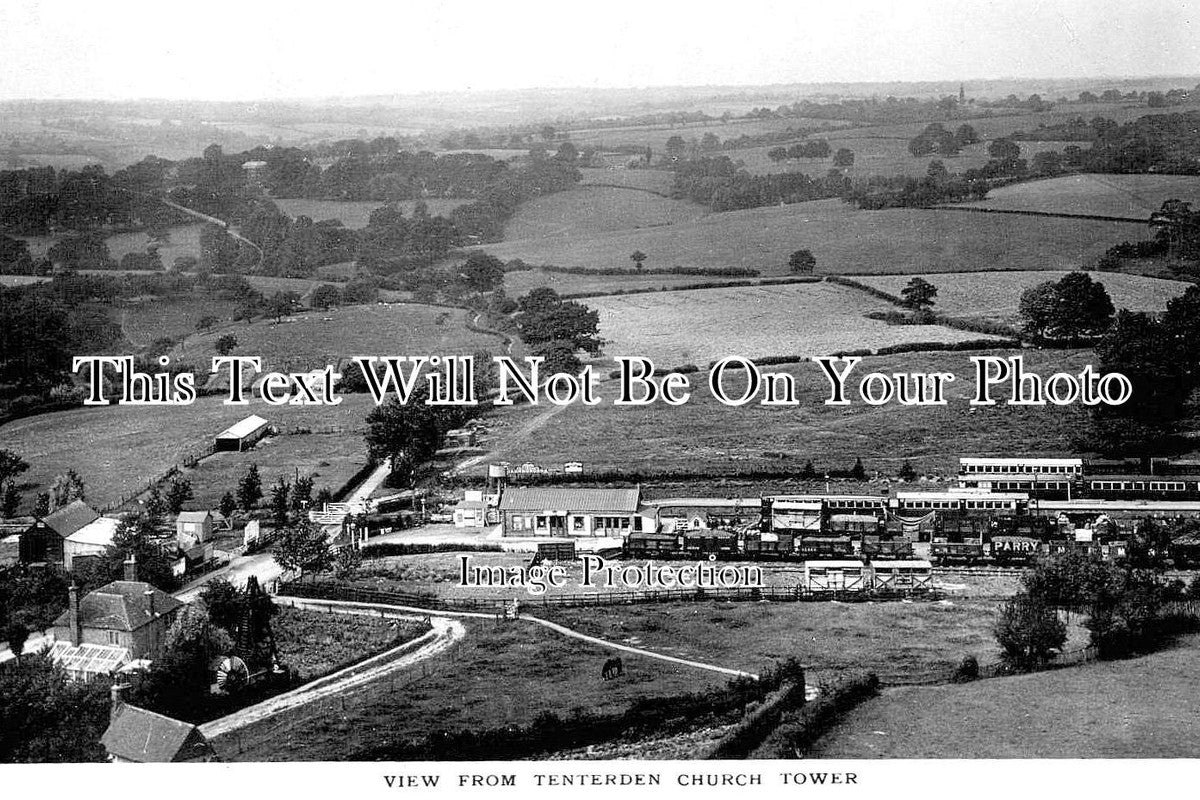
(70, 518)
(585, 500)
(121, 606)
(145, 737)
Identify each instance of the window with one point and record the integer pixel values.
(114, 637)
(577, 523)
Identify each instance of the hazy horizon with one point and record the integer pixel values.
(226, 51)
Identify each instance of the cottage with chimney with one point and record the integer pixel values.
(138, 736)
(118, 623)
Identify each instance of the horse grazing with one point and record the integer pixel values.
(613, 668)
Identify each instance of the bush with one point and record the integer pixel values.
(967, 670)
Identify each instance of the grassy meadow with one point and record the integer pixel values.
(316, 338)
(589, 211)
(827, 637)
(1102, 195)
(703, 325)
(116, 449)
(498, 675)
(1139, 708)
(843, 239)
(707, 437)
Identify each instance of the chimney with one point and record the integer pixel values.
(131, 568)
(117, 695)
(74, 623)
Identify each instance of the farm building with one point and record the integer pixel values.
(92, 539)
(243, 435)
(130, 615)
(44, 540)
(138, 736)
(193, 527)
(460, 437)
(530, 511)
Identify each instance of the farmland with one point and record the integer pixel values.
(567, 216)
(997, 295)
(1103, 195)
(844, 241)
(808, 319)
(314, 339)
(116, 449)
(655, 180)
(354, 213)
(498, 675)
(827, 637)
(1140, 708)
(706, 437)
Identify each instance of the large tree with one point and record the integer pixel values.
(1029, 632)
(303, 548)
(545, 317)
(407, 433)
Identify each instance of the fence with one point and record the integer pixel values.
(188, 462)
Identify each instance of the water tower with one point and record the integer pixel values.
(497, 478)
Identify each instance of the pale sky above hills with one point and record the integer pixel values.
(227, 50)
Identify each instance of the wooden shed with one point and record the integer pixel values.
(243, 435)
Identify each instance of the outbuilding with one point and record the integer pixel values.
(244, 434)
(138, 736)
(193, 527)
(44, 541)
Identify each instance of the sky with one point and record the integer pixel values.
(256, 49)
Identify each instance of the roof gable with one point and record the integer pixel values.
(145, 737)
(70, 518)
(193, 516)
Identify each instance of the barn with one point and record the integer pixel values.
(243, 435)
(537, 511)
(44, 541)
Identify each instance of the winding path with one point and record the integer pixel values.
(445, 634)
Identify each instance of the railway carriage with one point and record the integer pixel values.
(907, 575)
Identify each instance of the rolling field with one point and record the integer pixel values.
(826, 637)
(498, 675)
(706, 437)
(1140, 708)
(844, 241)
(580, 213)
(997, 295)
(1103, 195)
(355, 213)
(703, 325)
(656, 180)
(314, 339)
(116, 449)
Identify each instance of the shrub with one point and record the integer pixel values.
(967, 670)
